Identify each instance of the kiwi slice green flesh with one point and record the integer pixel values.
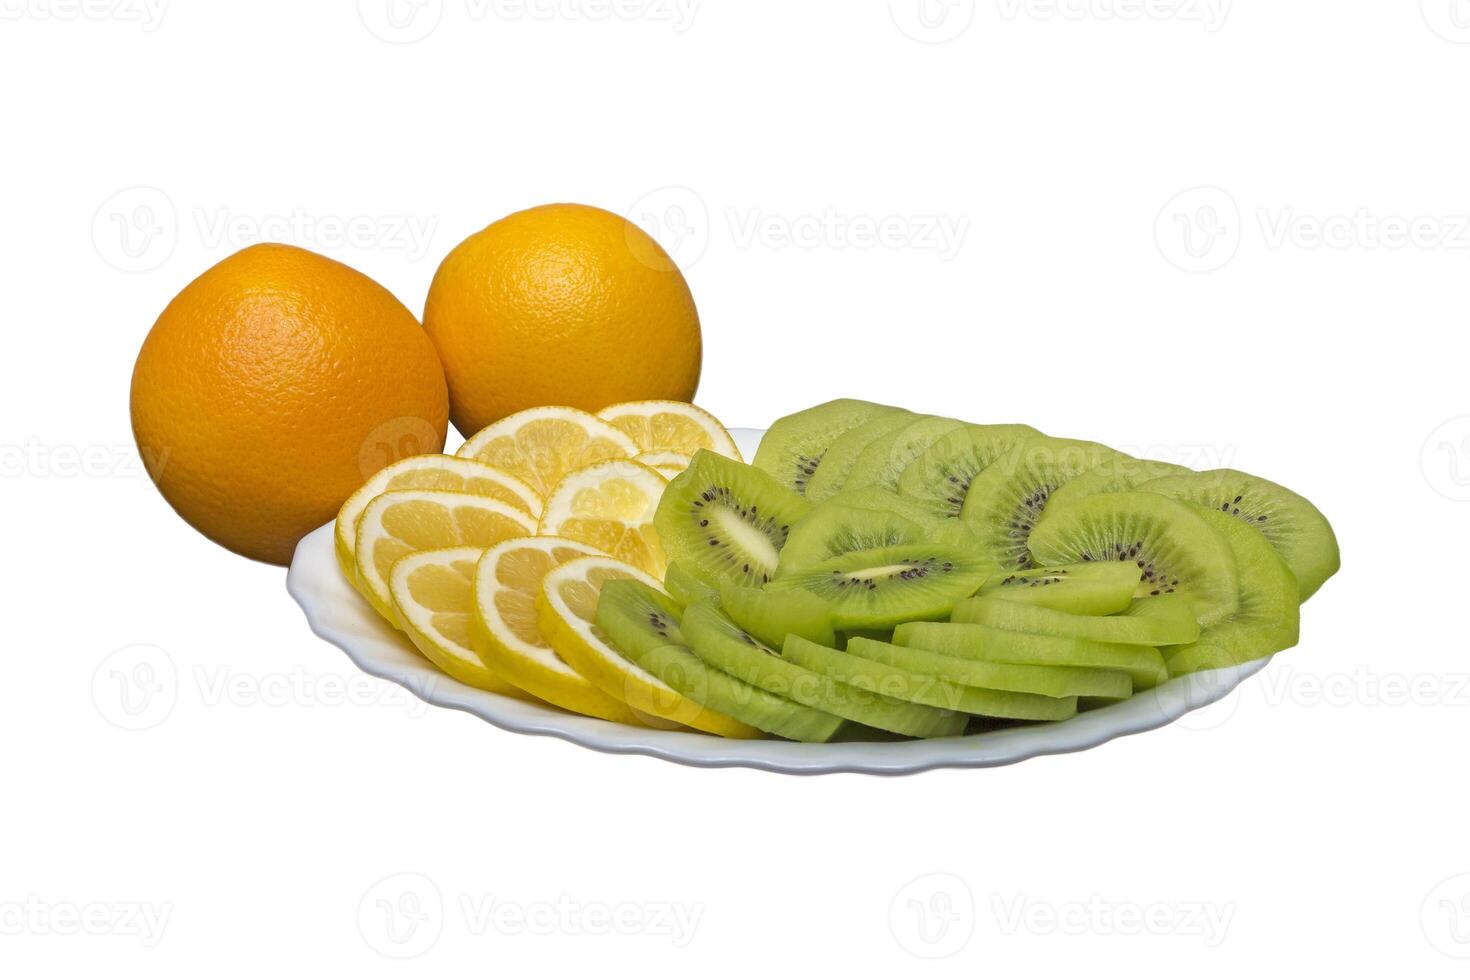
(1154, 622)
(882, 587)
(893, 682)
(1269, 614)
(794, 445)
(1095, 588)
(844, 637)
(769, 616)
(842, 455)
(1144, 665)
(832, 530)
(939, 477)
(1006, 499)
(883, 460)
(722, 644)
(886, 502)
(1177, 549)
(723, 519)
(686, 587)
(1049, 681)
(644, 624)
(637, 620)
(1295, 528)
(863, 519)
(1114, 475)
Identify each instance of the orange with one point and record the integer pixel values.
(272, 387)
(563, 304)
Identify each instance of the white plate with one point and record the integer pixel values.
(340, 616)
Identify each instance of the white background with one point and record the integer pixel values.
(1204, 231)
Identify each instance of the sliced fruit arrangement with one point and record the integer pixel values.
(493, 569)
(872, 574)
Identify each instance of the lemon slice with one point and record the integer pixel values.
(542, 445)
(566, 611)
(677, 427)
(401, 522)
(668, 464)
(504, 633)
(610, 506)
(433, 594)
(431, 472)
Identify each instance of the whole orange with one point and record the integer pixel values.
(563, 304)
(272, 387)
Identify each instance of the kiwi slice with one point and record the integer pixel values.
(1144, 665)
(1049, 681)
(842, 455)
(644, 624)
(794, 445)
(1269, 614)
(894, 682)
(862, 519)
(885, 502)
(1177, 549)
(1090, 589)
(832, 530)
(1295, 528)
(1154, 622)
(723, 519)
(722, 644)
(883, 460)
(686, 587)
(882, 587)
(940, 476)
(769, 616)
(844, 637)
(638, 620)
(1113, 475)
(1006, 499)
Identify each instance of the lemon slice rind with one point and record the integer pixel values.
(668, 464)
